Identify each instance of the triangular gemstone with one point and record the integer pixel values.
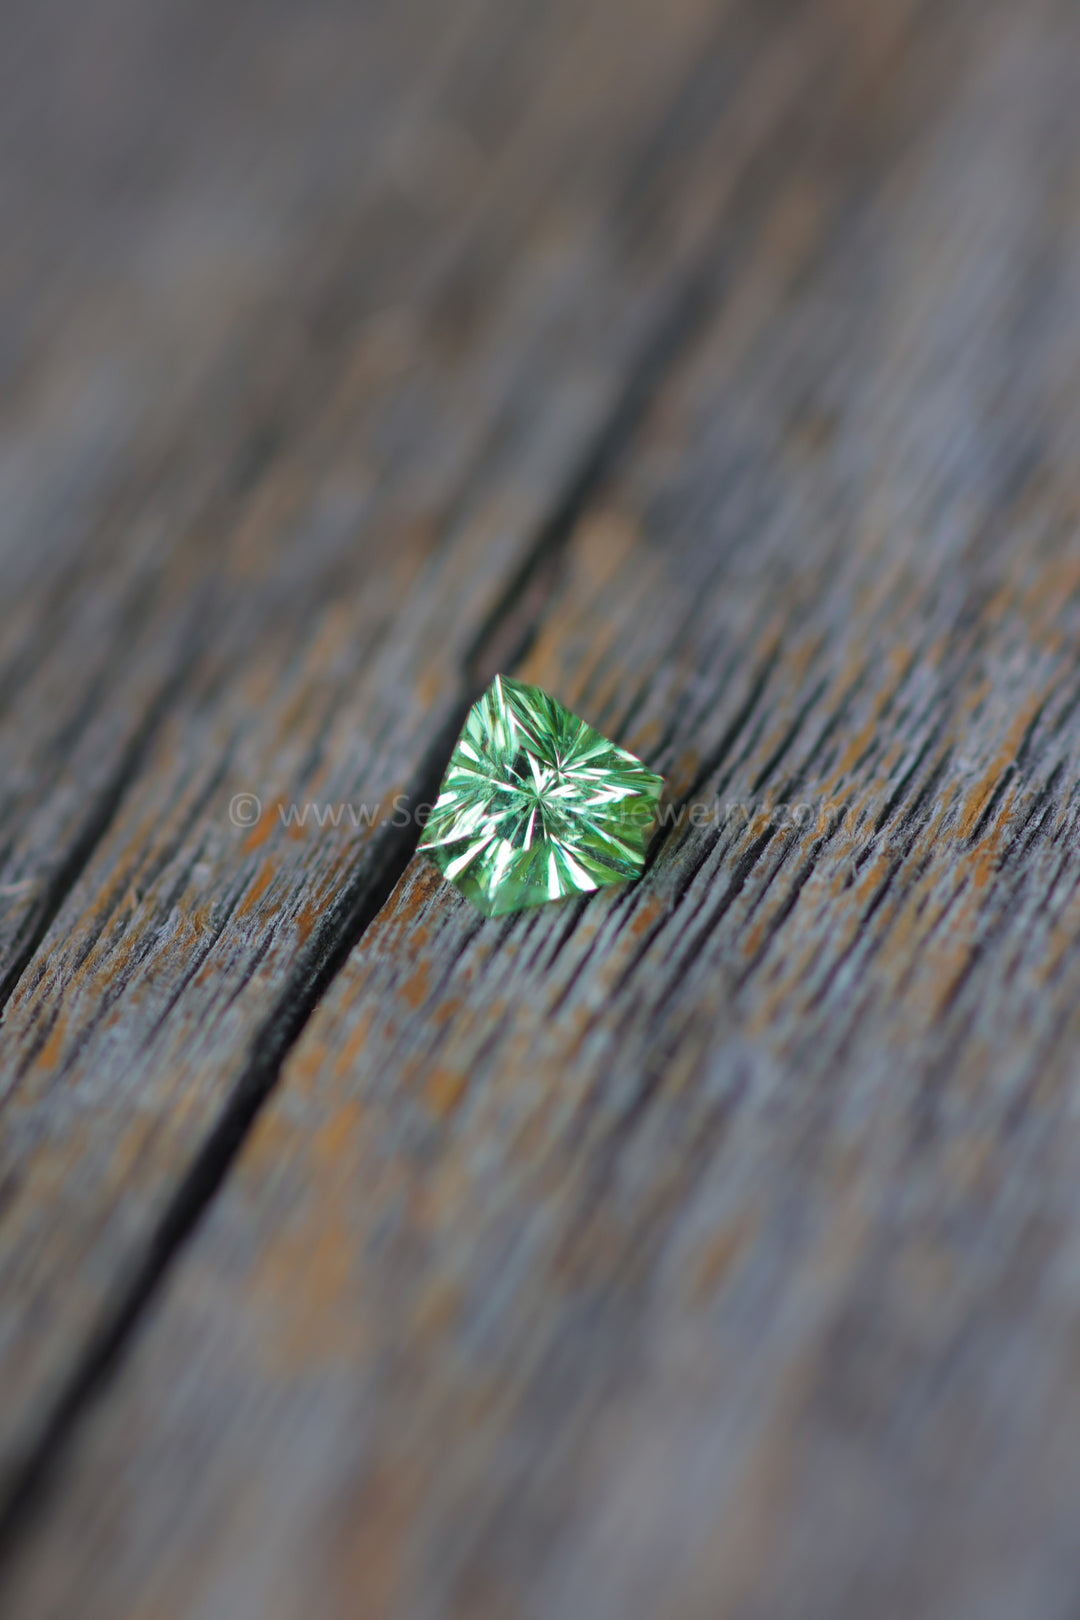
(536, 805)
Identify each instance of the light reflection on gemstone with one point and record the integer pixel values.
(536, 805)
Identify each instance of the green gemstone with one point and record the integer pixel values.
(536, 805)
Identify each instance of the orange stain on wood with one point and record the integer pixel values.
(752, 943)
(295, 830)
(830, 811)
(445, 1090)
(306, 918)
(262, 829)
(856, 748)
(986, 856)
(333, 1142)
(415, 887)
(682, 773)
(872, 878)
(414, 990)
(263, 879)
(950, 966)
(979, 796)
(645, 916)
(105, 964)
(897, 664)
(49, 1055)
(306, 1063)
(307, 1283)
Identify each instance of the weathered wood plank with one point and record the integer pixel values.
(177, 243)
(330, 609)
(708, 1250)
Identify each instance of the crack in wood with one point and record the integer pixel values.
(37, 924)
(503, 638)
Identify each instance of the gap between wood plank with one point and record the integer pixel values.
(502, 640)
(96, 826)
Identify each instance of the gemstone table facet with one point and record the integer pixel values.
(536, 805)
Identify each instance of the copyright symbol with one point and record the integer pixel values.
(245, 809)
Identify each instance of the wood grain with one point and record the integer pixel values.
(306, 625)
(705, 1250)
(178, 249)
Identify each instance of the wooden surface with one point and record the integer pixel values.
(706, 1250)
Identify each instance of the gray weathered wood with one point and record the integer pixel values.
(182, 290)
(309, 635)
(708, 1249)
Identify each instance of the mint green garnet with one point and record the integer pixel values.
(536, 805)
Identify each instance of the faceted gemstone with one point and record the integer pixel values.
(536, 805)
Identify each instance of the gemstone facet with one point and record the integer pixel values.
(536, 805)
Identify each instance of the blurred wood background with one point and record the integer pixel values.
(706, 1251)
